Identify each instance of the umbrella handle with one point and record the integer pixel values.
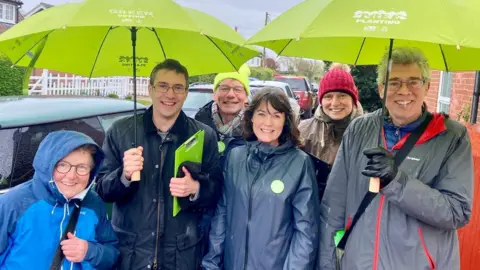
(374, 186)
(135, 176)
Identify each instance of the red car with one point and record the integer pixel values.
(302, 87)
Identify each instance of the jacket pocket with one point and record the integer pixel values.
(188, 254)
(126, 247)
(432, 263)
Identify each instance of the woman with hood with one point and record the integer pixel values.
(268, 216)
(339, 105)
(35, 214)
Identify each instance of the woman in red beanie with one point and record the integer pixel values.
(339, 105)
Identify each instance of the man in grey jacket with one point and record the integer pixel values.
(412, 222)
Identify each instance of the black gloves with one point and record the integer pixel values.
(381, 164)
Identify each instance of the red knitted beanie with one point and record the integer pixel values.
(338, 80)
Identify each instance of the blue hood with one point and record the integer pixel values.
(52, 149)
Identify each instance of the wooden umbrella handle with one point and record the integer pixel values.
(135, 176)
(374, 185)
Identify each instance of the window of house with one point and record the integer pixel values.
(7, 13)
(444, 92)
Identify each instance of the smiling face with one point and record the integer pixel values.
(405, 93)
(230, 97)
(268, 123)
(337, 105)
(72, 180)
(168, 93)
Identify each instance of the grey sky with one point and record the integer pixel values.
(247, 15)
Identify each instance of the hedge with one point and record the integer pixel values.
(11, 79)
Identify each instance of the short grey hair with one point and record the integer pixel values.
(89, 148)
(404, 56)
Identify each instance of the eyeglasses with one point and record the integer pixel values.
(64, 167)
(412, 84)
(164, 87)
(224, 89)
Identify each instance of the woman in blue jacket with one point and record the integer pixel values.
(35, 215)
(268, 215)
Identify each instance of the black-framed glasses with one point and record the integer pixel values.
(412, 84)
(64, 167)
(226, 88)
(164, 87)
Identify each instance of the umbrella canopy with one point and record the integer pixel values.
(359, 32)
(94, 38)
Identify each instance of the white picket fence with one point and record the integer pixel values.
(68, 85)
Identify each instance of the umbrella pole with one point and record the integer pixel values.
(374, 181)
(133, 30)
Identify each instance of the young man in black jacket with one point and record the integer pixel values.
(150, 236)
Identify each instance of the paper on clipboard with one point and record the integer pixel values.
(191, 150)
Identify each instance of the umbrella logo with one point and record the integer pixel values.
(131, 16)
(381, 17)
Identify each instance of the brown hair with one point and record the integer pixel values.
(277, 98)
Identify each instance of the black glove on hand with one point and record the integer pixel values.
(381, 164)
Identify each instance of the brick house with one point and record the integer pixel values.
(451, 92)
(9, 13)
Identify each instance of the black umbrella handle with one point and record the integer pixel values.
(133, 30)
(374, 185)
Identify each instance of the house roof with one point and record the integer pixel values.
(18, 2)
(37, 8)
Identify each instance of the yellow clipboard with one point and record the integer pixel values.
(191, 150)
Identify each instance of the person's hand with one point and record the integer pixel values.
(132, 161)
(381, 164)
(74, 249)
(185, 186)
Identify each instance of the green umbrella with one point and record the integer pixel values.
(94, 38)
(109, 37)
(359, 32)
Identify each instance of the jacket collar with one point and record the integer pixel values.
(434, 128)
(179, 128)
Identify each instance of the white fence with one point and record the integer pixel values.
(49, 84)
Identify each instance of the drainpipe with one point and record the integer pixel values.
(476, 94)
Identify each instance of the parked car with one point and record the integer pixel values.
(302, 87)
(256, 85)
(198, 96)
(25, 121)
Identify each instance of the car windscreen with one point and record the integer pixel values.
(197, 99)
(297, 84)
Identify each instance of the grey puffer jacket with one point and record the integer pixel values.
(412, 223)
(268, 216)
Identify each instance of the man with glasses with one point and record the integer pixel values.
(150, 236)
(424, 197)
(224, 114)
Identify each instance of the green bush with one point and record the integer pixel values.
(264, 74)
(11, 79)
(112, 95)
(208, 78)
(129, 97)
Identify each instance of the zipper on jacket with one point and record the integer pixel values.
(155, 261)
(247, 238)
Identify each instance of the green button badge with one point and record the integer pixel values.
(277, 186)
(221, 147)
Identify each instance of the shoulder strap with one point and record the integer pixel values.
(59, 256)
(399, 157)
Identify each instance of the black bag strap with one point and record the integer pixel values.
(399, 157)
(59, 256)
